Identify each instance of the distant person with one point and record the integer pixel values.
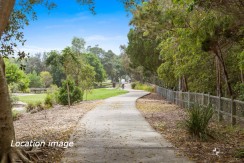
(123, 83)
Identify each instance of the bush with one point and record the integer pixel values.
(49, 101)
(198, 120)
(145, 87)
(13, 87)
(30, 107)
(52, 96)
(13, 99)
(33, 108)
(16, 115)
(133, 85)
(76, 94)
(240, 153)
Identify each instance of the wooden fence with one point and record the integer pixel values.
(229, 110)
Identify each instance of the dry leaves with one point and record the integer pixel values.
(55, 124)
(167, 119)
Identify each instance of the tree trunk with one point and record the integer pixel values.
(218, 77)
(225, 73)
(6, 120)
(68, 92)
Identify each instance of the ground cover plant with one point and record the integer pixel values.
(168, 119)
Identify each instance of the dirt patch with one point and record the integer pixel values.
(168, 119)
(56, 124)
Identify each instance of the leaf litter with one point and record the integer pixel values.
(52, 125)
(168, 119)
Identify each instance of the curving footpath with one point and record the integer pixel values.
(117, 132)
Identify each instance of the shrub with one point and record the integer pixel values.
(30, 107)
(13, 87)
(13, 99)
(145, 87)
(240, 153)
(198, 120)
(75, 93)
(49, 101)
(16, 115)
(33, 108)
(133, 85)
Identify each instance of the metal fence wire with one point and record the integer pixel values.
(229, 110)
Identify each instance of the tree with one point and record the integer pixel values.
(54, 61)
(46, 79)
(99, 52)
(94, 61)
(199, 43)
(87, 82)
(16, 77)
(35, 80)
(78, 45)
(35, 63)
(9, 27)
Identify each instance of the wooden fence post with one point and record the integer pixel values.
(233, 111)
(195, 100)
(208, 99)
(220, 118)
(202, 99)
(189, 100)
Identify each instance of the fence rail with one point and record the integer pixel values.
(229, 110)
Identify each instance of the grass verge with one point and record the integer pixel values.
(103, 93)
(168, 119)
(37, 98)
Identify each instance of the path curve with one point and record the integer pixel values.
(117, 132)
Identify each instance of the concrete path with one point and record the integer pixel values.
(116, 132)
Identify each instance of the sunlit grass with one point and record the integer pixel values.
(103, 93)
(36, 98)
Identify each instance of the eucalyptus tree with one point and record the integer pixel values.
(195, 39)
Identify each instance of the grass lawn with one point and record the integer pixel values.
(96, 94)
(103, 93)
(32, 98)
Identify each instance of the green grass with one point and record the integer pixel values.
(37, 98)
(96, 94)
(145, 87)
(103, 93)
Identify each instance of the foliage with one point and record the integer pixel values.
(145, 87)
(195, 43)
(240, 89)
(198, 120)
(76, 94)
(240, 153)
(103, 93)
(35, 107)
(13, 98)
(49, 101)
(133, 85)
(46, 78)
(54, 61)
(94, 61)
(36, 64)
(35, 80)
(78, 45)
(16, 115)
(16, 77)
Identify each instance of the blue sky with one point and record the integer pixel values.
(54, 31)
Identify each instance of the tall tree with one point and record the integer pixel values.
(9, 27)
